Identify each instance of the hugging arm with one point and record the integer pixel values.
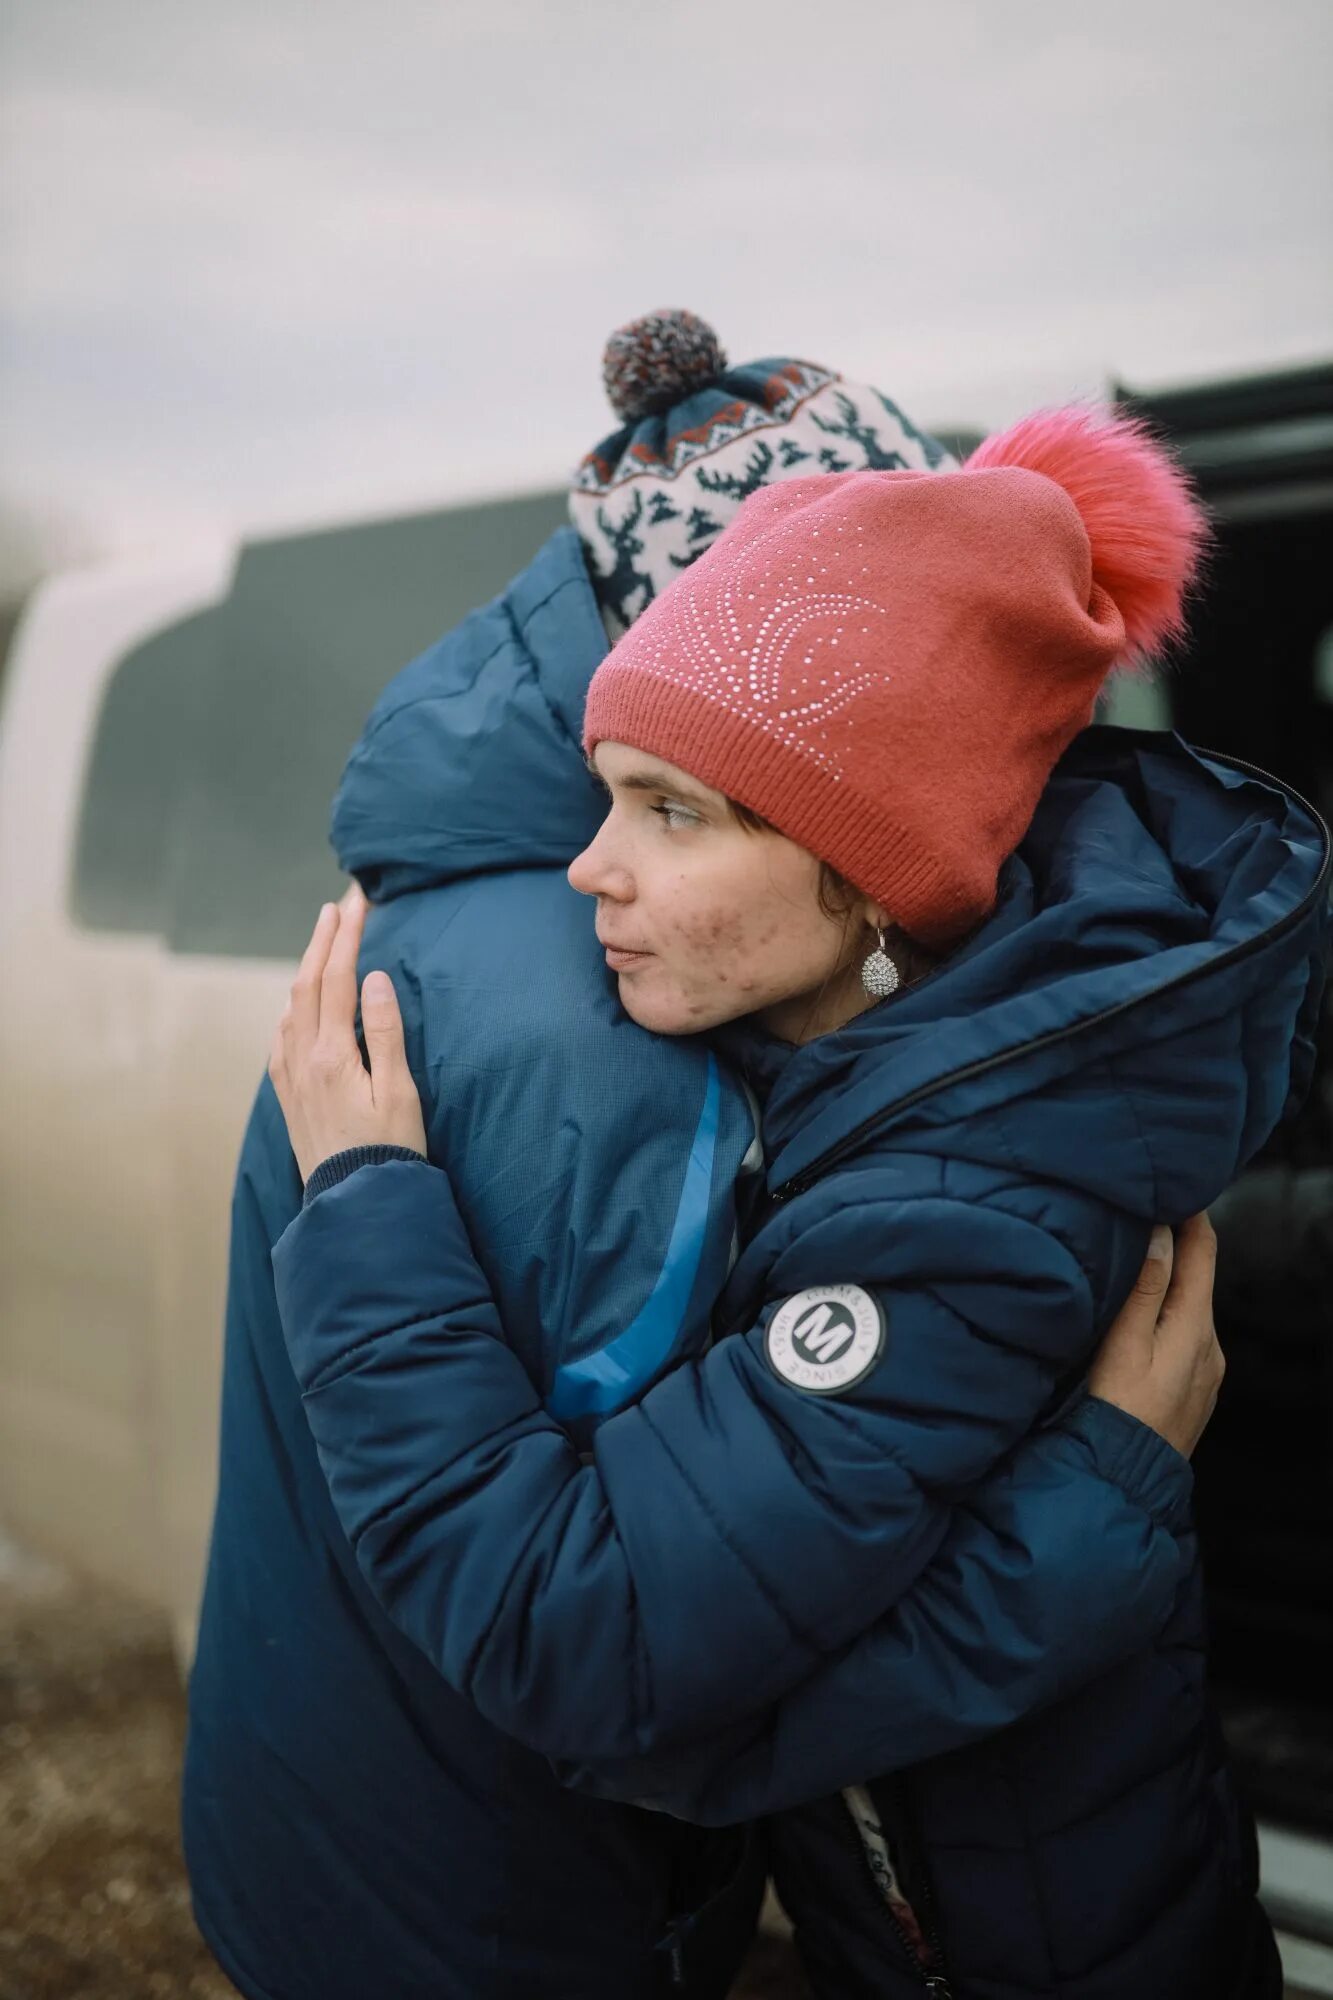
(1059, 1565)
(732, 1533)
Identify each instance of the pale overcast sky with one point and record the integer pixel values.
(277, 261)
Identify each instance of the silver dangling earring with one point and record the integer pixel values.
(879, 974)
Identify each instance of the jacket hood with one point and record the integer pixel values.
(1135, 1016)
(488, 719)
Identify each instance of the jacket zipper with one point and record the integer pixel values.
(801, 1183)
(935, 1975)
(928, 1916)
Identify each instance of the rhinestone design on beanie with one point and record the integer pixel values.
(797, 669)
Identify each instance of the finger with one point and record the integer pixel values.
(304, 1009)
(1134, 1328)
(277, 1061)
(1130, 1338)
(382, 1025)
(1194, 1267)
(1197, 1239)
(351, 896)
(337, 998)
(1150, 1287)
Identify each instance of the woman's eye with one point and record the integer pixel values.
(675, 815)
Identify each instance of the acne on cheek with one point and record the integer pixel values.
(719, 930)
(761, 941)
(756, 944)
(723, 934)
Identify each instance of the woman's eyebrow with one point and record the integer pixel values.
(650, 781)
(658, 781)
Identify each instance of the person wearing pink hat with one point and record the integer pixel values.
(315, 1807)
(1010, 990)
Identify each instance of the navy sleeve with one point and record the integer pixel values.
(732, 1532)
(339, 1165)
(1061, 1564)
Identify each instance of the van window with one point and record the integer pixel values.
(142, 751)
(221, 742)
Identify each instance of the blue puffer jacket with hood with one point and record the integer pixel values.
(748, 1593)
(352, 1826)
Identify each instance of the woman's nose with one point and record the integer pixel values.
(596, 872)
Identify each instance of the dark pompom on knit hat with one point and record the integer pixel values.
(698, 436)
(655, 361)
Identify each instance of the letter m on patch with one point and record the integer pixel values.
(822, 1332)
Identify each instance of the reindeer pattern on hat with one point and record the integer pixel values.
(649, 500)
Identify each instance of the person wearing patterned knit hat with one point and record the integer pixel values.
(905, 1557)
(699, 437)
(352, 1825)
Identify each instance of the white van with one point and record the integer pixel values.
(170, 739)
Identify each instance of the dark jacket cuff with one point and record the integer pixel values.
(339, 1165)
(1136, 1458)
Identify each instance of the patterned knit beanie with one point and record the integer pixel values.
(887, 665)
(697, 437)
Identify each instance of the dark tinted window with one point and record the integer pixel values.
(143, 750)
(222, 740)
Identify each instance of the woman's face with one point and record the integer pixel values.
(705, 919)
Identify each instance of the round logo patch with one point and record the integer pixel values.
(826, 1339)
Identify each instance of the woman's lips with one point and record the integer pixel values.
(626, 961)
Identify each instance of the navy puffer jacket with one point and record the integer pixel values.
(353, 1826)
(756, 1592)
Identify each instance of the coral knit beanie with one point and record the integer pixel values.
(887, 665)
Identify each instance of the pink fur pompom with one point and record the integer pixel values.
(1144, 522)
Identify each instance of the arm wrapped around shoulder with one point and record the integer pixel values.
(734, 1530)
(1064, 1562)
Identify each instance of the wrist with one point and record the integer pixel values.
(338, 1166)
(1146, 1465)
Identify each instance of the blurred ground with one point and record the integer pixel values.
(93, 1898)
(93, 1901)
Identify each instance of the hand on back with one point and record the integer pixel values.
(1161, 1360)
(329, 1099)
